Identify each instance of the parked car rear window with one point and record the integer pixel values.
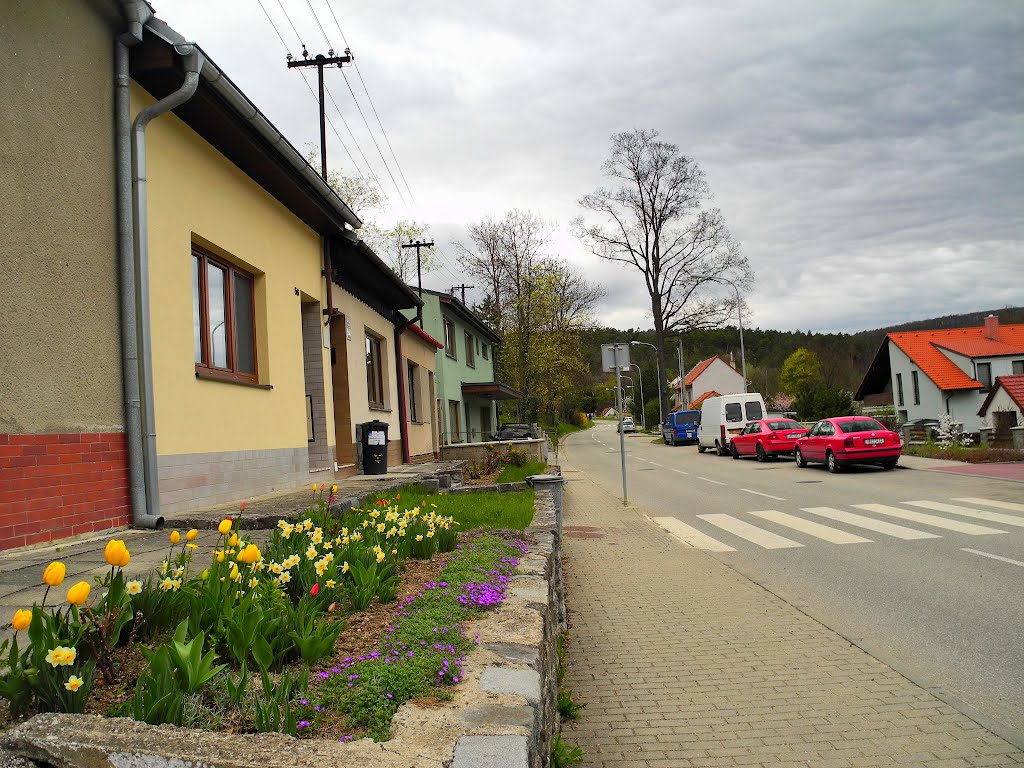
(734, 412)
(689, 418)
(860, 425)
(754, 411)
(778, 425)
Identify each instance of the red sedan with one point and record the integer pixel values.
(767, 438)
(847, 440)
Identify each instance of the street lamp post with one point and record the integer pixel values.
(661, 412)
(643, 403)
(739, 315)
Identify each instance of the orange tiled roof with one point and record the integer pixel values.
(697, 403)
(982, 347)
(1014, 386)
(923, 348)
(700, 367)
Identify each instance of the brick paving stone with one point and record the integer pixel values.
(683, 663)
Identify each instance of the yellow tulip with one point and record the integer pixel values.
(250, 554)
(54, 574)
(116, 553)
(175, 537)
(225, 526)
(21, 620)
(79, 593)
(191, 535)
(233, 541)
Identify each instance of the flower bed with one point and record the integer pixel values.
(243, 637)
(981, 454)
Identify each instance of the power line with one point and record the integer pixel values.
(369, 98)
(311, 93)
(356, 102)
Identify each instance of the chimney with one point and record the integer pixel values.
(992, 327)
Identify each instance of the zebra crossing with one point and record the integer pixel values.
(720, 532)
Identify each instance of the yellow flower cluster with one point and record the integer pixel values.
(61, 656)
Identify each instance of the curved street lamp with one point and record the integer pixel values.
(739, 315)
(661, 413)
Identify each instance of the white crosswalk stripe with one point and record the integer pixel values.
(978, 514)
(833, 535)
(751, 533)
(690, 535)
(767, 539)
(997, 504)
(936, 522)
(869, 523)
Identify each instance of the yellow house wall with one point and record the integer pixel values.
(196, 195)
(424, 355)
(359, 318)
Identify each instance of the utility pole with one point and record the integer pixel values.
(320, 61)
(419, 274)
(462, 288)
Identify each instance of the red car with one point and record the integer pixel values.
(847, 440)
(767, 438)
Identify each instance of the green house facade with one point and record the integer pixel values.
(467, 393)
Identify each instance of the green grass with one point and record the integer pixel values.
(512, 474)
(471, 510)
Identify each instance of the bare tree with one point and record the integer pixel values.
(654, 217)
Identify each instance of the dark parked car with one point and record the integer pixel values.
(516, 432)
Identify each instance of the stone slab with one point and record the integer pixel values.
(491, 752)
(515, 682)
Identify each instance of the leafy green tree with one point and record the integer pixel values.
(819, 401)
(801, 371)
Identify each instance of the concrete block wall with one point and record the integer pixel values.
(476, 451)
(194, 480)
(320, 453)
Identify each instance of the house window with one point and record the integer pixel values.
(984, 376)
(1018, 367)
(899, 389)
(485, 353)
(414, 395)
(374, 372)
(470, 351)
(917, 387)
(223, 319)
(449, 339)
(455, 429)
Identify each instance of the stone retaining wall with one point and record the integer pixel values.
(503, 713)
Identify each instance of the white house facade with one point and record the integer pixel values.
(711, 375)
(927, 374)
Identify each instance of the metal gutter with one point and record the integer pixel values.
(193, 65)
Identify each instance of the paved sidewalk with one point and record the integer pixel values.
(683, 662)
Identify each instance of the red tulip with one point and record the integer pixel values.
(315, 588)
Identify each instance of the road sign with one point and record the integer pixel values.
(614, 356)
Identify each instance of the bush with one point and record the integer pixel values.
(821, 402)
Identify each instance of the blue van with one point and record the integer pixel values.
(681, 427)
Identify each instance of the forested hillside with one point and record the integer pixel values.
(844, 356)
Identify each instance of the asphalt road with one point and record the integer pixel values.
(933, 590)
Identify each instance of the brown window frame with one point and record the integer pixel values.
(206, 369)
(470, 351)
(454, 430)
(375, 343)
(483, 351)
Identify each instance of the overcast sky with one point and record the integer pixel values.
(869, 156)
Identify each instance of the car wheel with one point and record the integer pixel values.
(799, 458)
(720, 449)
(761, 455)
(831, 463)
(890, 464)
(700, 448)
(732, 449)
(665, 438)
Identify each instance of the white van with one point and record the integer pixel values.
(725, 416)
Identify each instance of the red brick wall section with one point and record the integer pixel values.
(58, 485)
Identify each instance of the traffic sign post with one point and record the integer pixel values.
(615, 357)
